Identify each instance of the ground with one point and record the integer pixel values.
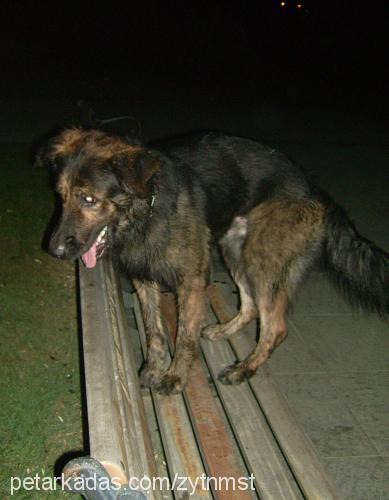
(40, 414)
(333, 367)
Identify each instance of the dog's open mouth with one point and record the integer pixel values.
(96, 251)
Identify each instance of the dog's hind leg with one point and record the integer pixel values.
(284, 237)
(156, 359)
(231, 245)
(247, 312)
(273, 332)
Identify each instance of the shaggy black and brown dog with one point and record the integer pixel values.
(158, 210)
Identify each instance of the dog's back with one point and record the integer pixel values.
(235, 174)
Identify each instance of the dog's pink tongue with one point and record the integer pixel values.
(89, 258)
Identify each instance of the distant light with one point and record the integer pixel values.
(299, 6)
(283, 4)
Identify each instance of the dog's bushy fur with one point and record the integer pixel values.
(355, 265)
(163, 207)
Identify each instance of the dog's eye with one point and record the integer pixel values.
(88, 199)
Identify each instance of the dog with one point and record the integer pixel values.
(158, 210)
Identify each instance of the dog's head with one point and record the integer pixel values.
(102, 181)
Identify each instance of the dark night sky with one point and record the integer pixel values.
(331, 51)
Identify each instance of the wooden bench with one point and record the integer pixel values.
(215, 434)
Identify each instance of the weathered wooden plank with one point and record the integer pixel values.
(295, 444)
(217, 447)
(118, 432)
(262, 455)
(182, 455)
(159, 455)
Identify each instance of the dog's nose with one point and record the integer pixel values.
(58, 251)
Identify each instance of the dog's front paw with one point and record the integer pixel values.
(213, 332)
(149, 376)
(235, 374)
(170, 384)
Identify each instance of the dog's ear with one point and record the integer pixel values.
(53, 151)
(146, 165)
(135, 173)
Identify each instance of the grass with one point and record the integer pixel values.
(40, 412)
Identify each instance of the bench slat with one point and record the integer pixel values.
(273, 478)
(296, 446)
(217, 446)
(118, 432)
(182, 455)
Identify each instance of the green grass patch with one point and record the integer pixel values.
(40, 411)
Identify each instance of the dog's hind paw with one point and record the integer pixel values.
(170, 384)
(213, 332)
(235, 374)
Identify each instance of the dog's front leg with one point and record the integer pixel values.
(156, 359)
(191, 313)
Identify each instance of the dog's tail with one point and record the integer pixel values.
(355, 265)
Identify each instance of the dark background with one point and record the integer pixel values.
(195, 63)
